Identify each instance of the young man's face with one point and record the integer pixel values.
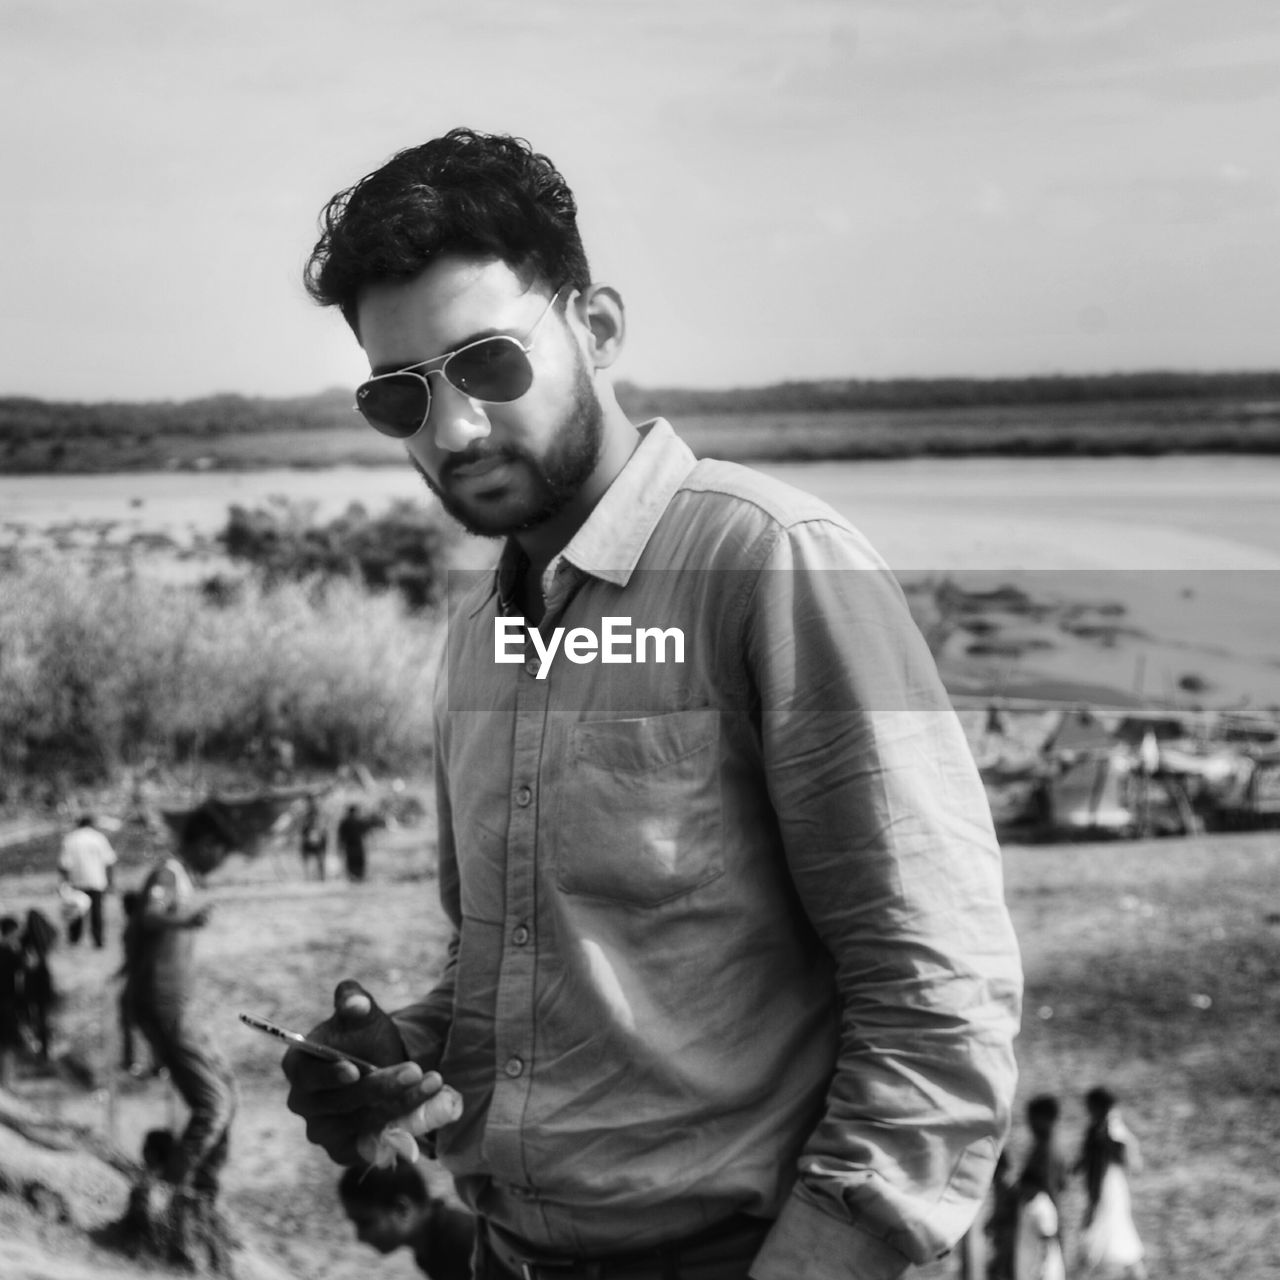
(497, 468)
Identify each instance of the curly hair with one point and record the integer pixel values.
(482, 194)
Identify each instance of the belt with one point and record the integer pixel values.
(527, 1263)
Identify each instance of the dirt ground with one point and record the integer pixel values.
(1150, 965)
(276, 945)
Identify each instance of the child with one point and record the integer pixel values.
(1002, 1225)
(11, 996)
(1039, 1253)
(1110, 1248)
(145, 1211)
(391, 1208)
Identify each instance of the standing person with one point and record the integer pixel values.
(11, 996)
(352, 830)
(158, 998)
(731, 986)
(39, 993)
(87, 863)
(133, 941)
(1001, 1226)
(1040, 1254)
(313, 839)
(1110, 1247)
(392, 1209)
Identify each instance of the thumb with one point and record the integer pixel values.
(352, 1004)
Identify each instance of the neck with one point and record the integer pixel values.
(619, 438)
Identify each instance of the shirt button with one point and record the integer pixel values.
(514, 1067)
(521, 935)
(523, 796)
(532, 666)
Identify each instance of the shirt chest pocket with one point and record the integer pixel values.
(638, 815)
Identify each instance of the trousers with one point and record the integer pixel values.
(723, 1252)
(75, 929)
(204, 1080)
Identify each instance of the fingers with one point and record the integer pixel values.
(340, 1112)
(442, 1108)
(312, 1073)
(376, 1098)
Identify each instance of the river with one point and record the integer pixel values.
(1187, 546)
(1189, 512)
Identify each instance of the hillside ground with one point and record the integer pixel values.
(1153, 967)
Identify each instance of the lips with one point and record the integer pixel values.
(476, 470)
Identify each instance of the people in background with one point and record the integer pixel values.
(87, 865)
(391, 1208)
(1110, 1247)
(39, 992)
(313, 839)
(132, 1043)
(353, 831)
(10, 996)
(1039, 1251)
(158, 995)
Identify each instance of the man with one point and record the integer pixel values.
(731, 988)
(87, 863)
(159, 966)
(352, 832)
(391, 1208)
(314, 839)
(11, 995)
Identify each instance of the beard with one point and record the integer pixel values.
(556, 477)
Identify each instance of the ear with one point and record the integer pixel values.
(599, 308)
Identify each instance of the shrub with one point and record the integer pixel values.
(404, 549)
(103, 669)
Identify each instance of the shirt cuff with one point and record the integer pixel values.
(808, 1244)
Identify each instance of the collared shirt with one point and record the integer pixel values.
(729, 924)
(86, 855)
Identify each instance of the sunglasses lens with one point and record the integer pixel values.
(395, 404)
(496, 370)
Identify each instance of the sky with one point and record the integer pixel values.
(787, 190)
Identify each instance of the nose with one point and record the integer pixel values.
(455, 419)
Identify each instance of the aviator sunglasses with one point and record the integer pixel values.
(495, 370)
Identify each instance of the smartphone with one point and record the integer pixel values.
(299, 1041)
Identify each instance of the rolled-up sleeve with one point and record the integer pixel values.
(890, 846)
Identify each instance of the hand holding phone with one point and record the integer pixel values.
(378, 1113)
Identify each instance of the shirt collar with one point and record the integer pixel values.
(612, 538)
(610, 542)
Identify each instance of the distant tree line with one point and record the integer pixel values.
(950, 393)
(839, 418)
(25, 418)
